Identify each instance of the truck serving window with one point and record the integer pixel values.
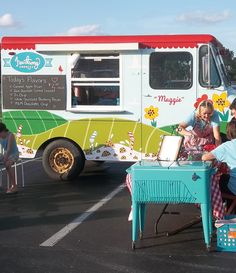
(208, 72)
(171, 70)
(95, 80)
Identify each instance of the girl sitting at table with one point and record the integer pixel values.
(205, 131)
(204, 122)
(226, 153)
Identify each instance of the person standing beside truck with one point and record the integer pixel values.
(10, 155)
(205, 130)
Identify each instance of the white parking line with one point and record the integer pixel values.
(54, 239)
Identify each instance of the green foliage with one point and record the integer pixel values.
(230, 63)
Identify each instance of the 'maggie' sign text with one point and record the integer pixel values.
(169, 100)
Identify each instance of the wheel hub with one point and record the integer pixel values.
(61, 160)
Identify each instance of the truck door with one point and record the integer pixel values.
(168, 93)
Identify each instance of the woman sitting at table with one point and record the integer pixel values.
(226, 153)
(205, 129)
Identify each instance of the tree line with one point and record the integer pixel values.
(230, 63)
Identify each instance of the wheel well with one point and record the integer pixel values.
(46, 143)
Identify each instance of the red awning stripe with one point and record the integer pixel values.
(17, 46)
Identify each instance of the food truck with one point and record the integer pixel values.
(106, 98)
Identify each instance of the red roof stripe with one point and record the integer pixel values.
(152, 40)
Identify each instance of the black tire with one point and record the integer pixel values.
(98, 162)
(63, 160)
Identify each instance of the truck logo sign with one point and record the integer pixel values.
(29, 62)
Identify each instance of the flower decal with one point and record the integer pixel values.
(199, 100)
(220, 101)
(151, 113)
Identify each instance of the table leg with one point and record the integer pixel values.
(142, 215)
(205, 223)
(210, 222)
(135, 222)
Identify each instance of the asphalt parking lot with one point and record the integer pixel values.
(61, 227)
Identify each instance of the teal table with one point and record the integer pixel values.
(171, 182)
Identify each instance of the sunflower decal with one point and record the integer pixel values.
(151, 113)
(220, 103)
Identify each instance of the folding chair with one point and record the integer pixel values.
(2, 168)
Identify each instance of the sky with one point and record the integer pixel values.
(119, 17)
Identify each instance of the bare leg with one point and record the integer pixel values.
(11, 175)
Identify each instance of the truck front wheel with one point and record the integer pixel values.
(63, 160)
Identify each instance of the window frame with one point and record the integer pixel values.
(94, 82)
(216, 66)
(171, 52)
(222, 67)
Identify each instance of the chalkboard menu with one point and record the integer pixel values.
(45, 92)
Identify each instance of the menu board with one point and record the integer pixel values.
(44, 92)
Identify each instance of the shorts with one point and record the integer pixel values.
(224, 180)
(13, 158)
